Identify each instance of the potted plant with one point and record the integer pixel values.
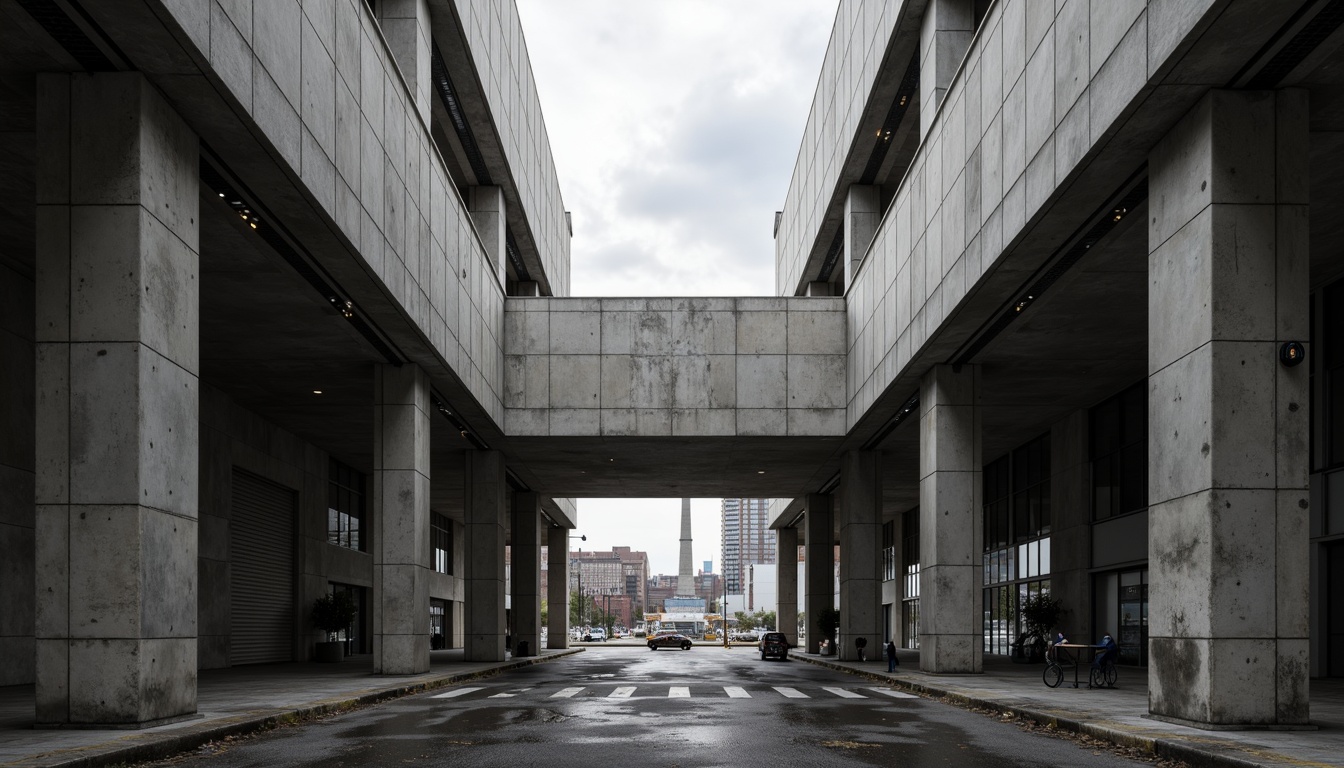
(332, 614)
(1040, 613)
(828, 620)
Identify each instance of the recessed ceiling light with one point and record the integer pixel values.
(760, 471)
(317, 391)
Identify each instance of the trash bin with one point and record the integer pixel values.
(523, 649)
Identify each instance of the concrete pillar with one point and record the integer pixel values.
(1071, 529)
(863, 212)
(525, 546)
(861, 554)
(117, 411)
(1228, 424)
(819, 568)
(401, 552)
(486, 205)
(786, 580)
(944, 37)
(951, 638)
(407, 29)
(557, 587)
(484, 499)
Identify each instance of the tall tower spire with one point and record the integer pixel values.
(685, 577)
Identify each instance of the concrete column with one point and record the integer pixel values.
(819, 568)
(557, 588)
(786, 580)
(944, 37)
(525, 545)
(861, 554)
(118, 401)
(1071, 530)
(1228, 424)
(863, 212)
(484, 498)
(407, 29)
(486, 205)
(951, 638)
(401, 551)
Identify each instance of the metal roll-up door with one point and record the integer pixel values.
(261, 552)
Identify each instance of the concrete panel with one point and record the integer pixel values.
(576, 333)
(575, 380)
(758, 380)
(816, 381)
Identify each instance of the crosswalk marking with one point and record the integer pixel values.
(456, 692)
(565, 693)
(623, 692)
(894, 694)
(678, 692)
(844, 694)
(510, 695)
(792, 693)
(736, 692)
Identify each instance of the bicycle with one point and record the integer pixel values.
(1053, 675)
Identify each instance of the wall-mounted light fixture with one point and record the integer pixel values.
(1292, 353)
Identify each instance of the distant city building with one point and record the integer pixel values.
(662, 587)
(747, 539)
(709, 566)
(615, 581)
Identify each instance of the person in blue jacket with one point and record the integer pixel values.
(1108, 653)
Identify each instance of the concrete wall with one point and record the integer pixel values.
(495, 36)
(858, 39)
(1037, 91)
(17, 395)
(319, 84)
(674, 367)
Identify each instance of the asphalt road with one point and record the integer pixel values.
(631, 707)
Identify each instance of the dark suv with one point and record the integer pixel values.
(774, 644)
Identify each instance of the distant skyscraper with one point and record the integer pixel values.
(686, 576)
(747, 539)
(709, 566)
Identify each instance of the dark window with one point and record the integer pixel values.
(345, 507)
(442, 533)
(1119, 437)
(910, 590)
(889, 550)
(1017, 538)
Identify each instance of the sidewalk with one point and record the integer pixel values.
(230, 702)
(1119, 715)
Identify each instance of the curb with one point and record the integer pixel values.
(1204, 755)
(146, 747)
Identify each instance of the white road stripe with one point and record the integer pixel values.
(455, 693)
(510, 695)
(565, 693)
(735, 692)
(844, 694)
(678, 692)
(624, 692)
(792, 693)
(894, 694)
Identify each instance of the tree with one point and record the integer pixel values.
(578, 605)
(544, 614)
(1040, 613)
(333, 613)
(744, 622)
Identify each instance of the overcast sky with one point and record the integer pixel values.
(674, 126)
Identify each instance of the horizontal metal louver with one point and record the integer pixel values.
(261, 551)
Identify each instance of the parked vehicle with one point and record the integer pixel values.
(670, 640)
(595, 635)
(774, 645)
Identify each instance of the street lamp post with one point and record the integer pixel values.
(726, 646)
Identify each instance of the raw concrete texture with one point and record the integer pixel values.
(950, 633)
(484, 516)
(860, 523)
(525, 571)
(401, 483)
(819, 573)
(1221, 424)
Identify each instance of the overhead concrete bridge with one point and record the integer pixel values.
(285, 312)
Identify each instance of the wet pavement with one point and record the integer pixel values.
(629, 706)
